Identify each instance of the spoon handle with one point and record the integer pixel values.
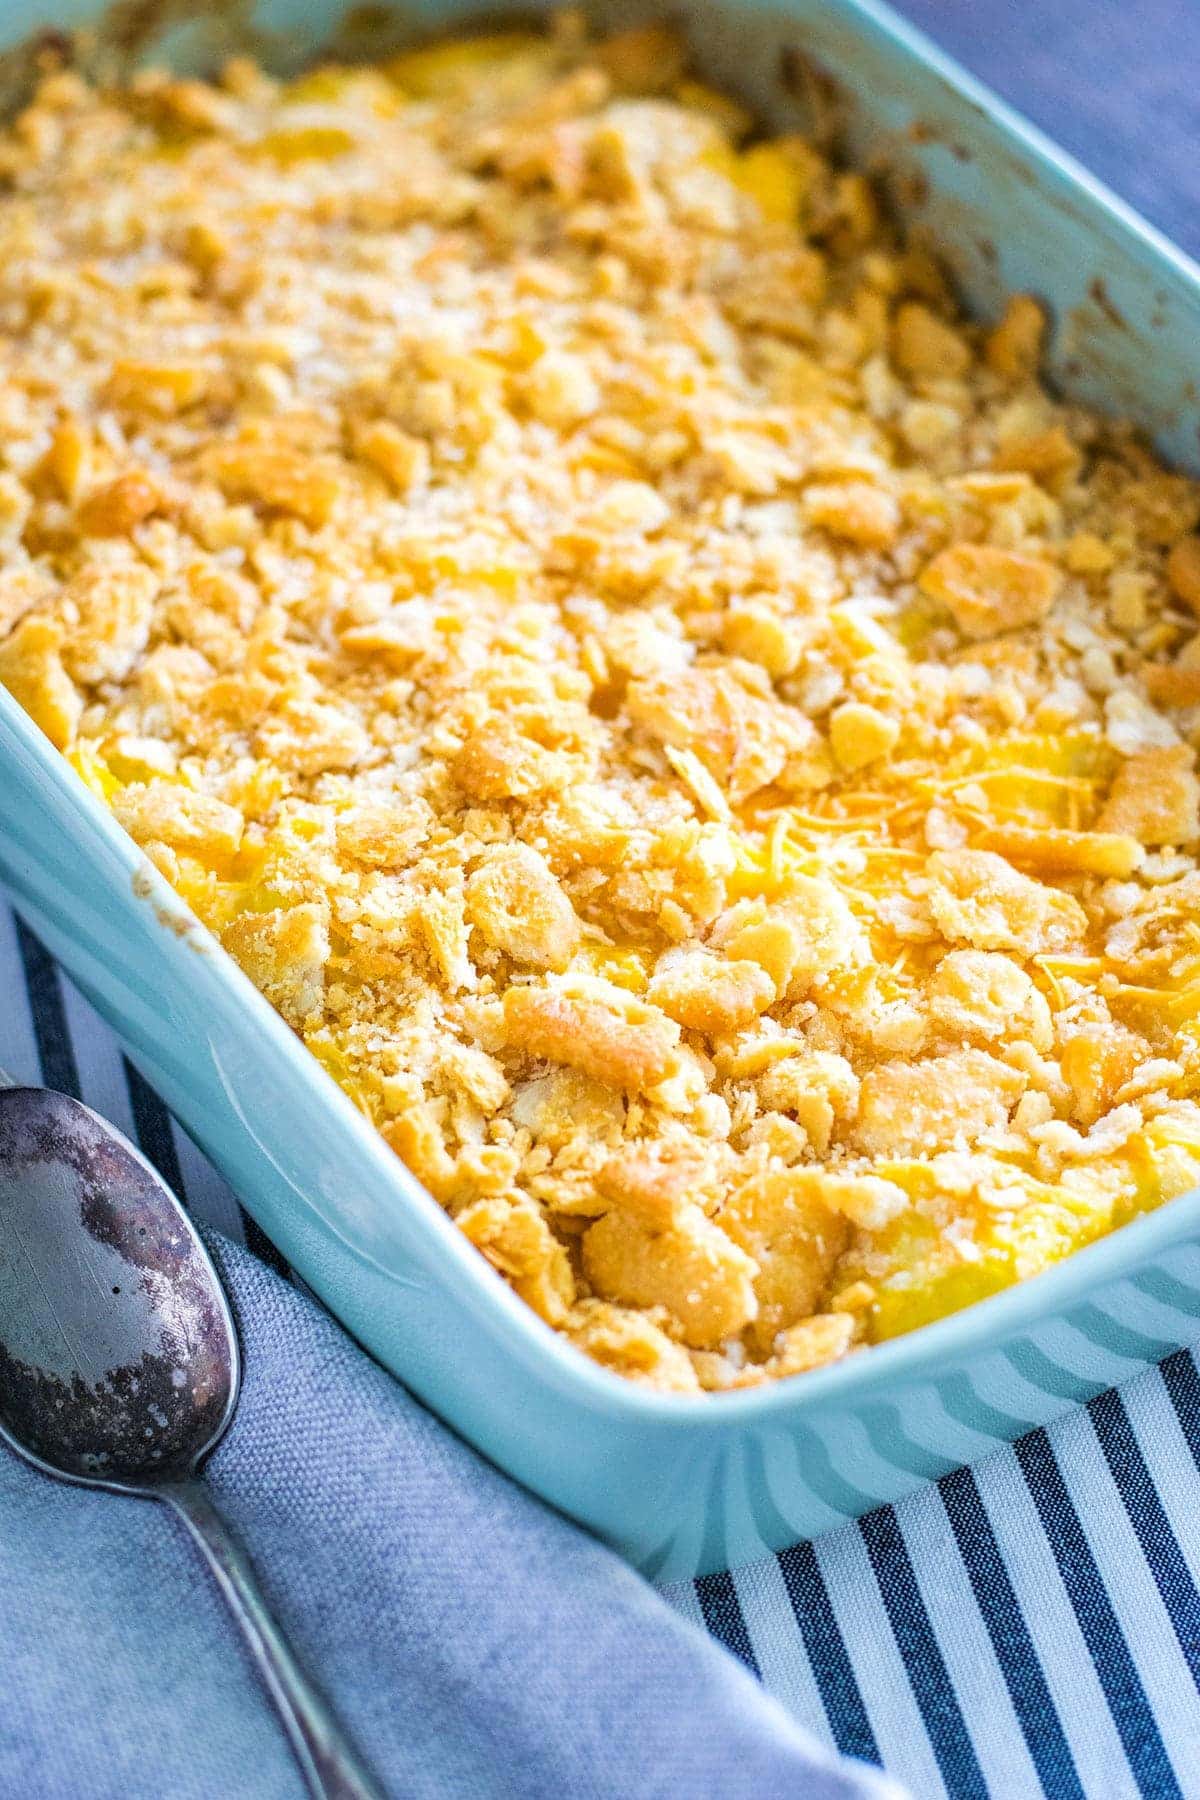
(330, 1767)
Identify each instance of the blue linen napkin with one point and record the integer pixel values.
(473, 1641)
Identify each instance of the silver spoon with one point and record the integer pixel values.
(119, 1363)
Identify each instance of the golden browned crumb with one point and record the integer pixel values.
(695, 739)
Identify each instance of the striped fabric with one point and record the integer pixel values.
(1030, 1627)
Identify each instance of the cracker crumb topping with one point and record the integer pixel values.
(694, 737)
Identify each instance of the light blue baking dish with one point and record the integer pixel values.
(681, 1486)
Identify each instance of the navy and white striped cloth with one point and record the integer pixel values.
(1032, 1627)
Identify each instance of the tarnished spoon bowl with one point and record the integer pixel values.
(119, 1362)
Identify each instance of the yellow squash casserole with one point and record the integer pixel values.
(695, 739)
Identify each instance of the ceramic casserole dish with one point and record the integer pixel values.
(682, 1486)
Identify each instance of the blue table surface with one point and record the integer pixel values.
(1116, 84)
